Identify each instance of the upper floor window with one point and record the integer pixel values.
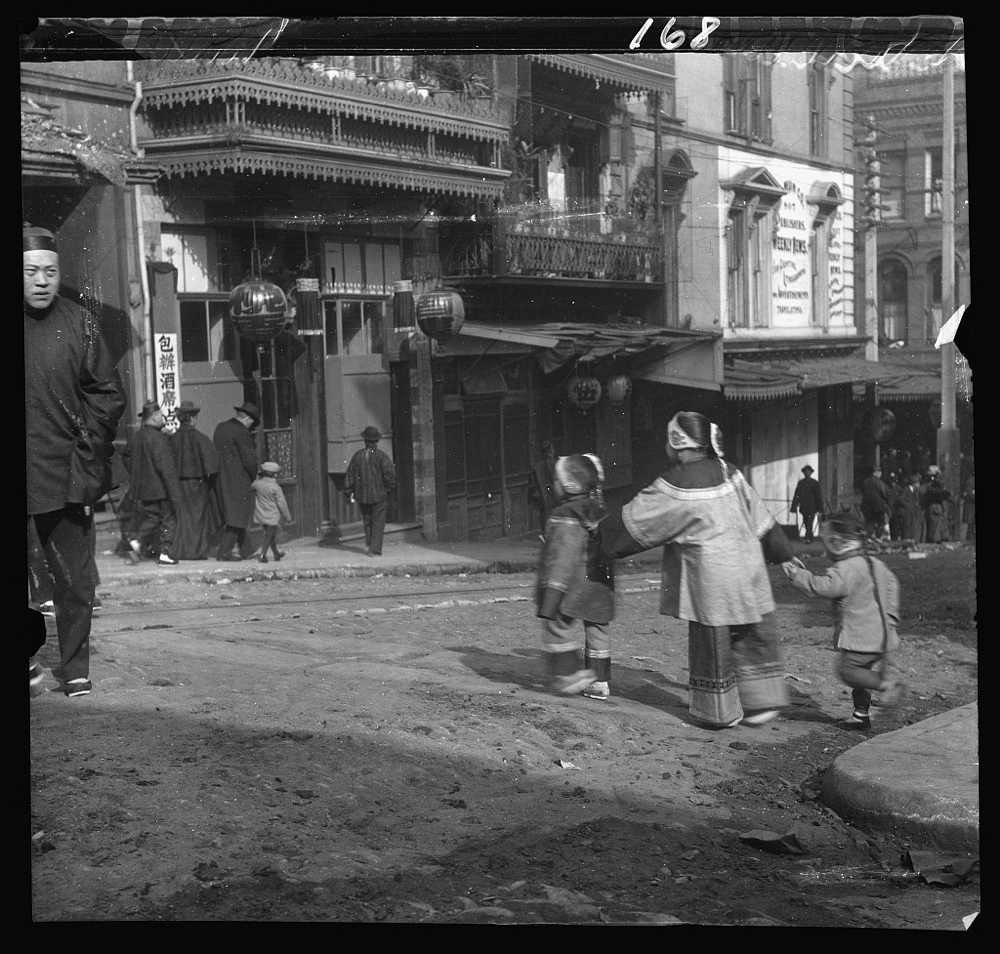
(199, 258)
(933, 180)
(892, 174)
(748, 255)
(747, 88)
(355, 267)
(818, 108)
(894, 296)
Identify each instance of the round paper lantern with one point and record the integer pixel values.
(619, 388)
(879, 424)
(258, 310)
(440, 314)
(584, 392)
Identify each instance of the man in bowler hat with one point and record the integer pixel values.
(808, 501)
(153, 486)
(73, 401)
(238, 467)
(370, 478)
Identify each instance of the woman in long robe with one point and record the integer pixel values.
(716, 533)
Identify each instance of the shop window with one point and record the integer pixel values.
(207, 334)
(354, 326)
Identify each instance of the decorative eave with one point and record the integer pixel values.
(755, 186)
(480, 183)
(888, 110)
(616, 69)
(295, 88)
(826, 196)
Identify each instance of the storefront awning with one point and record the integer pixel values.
(751, 381)
(557, 343)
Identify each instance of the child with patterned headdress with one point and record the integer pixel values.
(575, 582)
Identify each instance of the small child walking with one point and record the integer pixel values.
(865, 595)
(269, 507)
(576, 583)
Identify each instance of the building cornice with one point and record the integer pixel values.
(50, 84)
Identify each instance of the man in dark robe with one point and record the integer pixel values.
(876, 503)
(154, 490)
(238, 466)
(197, 462)
(73, 400)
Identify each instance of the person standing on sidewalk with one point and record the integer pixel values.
(876, 502)
(269, 507)
(865, 597)
(238, 468)
(197, 466)
(153, 487)
(716, 535)
(575, 582)
(370, 478)
(808, 501)
(73, 401)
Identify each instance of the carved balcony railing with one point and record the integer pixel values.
(311, 86)
(549, 242)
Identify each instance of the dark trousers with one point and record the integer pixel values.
(67, 539)
(270, 540)
(862, 672)
(808, 519)
(233, 536)
(154, 524)
(373, 517)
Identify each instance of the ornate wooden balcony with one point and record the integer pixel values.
(551, 243)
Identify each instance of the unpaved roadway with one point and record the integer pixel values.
(385, 750)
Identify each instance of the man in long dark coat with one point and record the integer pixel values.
(154, 490)
(808, 501)
(876, 502)
(238, 466)
(197, 465)
(907, 510)
(370, 478)
(73, 400)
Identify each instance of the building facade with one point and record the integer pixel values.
(904, 99)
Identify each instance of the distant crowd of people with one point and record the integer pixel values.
(902, 500)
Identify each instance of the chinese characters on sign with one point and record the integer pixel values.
(168, 383)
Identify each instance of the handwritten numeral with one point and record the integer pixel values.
(675, 39)
(637, 39)
(708, 26)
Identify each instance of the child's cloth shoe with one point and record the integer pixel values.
(854, 724)
(597, 690)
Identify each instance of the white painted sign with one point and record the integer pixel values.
(168, 378)
(790, 263)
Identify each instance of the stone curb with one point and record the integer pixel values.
(919, 782)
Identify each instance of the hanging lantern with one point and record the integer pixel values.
(584, 391)
(258, 310)
(619, 388)
(440, 314)
(879, 424)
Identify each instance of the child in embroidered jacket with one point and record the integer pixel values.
(576, 583)
(865, 595)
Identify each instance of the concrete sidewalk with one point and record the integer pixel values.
(920, 782)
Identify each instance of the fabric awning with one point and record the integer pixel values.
(749, 380)
(758, 385)
(558, 343)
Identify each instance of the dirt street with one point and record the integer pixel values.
(385, 750)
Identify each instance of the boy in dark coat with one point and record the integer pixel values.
(575, 583)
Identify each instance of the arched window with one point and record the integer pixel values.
(893, 290)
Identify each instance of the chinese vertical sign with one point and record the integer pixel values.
(168, 383)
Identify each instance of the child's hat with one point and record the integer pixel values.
(270, 467)
(844, 524)
(576, 473)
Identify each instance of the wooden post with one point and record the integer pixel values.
(422, 393)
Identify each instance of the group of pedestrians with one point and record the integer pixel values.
(916, 508)
(717, 537)
(189, 493)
